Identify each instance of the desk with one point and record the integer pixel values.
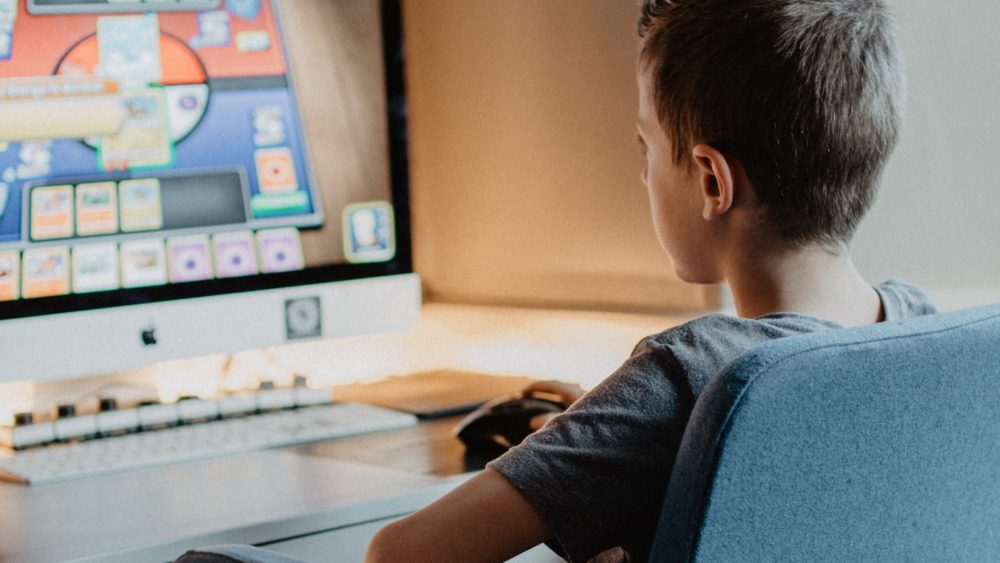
(426, 449)
(282, 495)
(352, 484)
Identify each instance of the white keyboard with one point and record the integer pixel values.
(61, 462)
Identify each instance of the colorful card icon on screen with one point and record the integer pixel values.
(141, 209)
(97, 208)
(10, 275)
(45, 271)
(143, 140)
(280, 250)
(189, 258)
(95, 267)
(52, 212)
(235, 254)
(369, 232)
(8, 10)
(246, 9)
(35, 161)
(276, 170)
(8, 15)
(213, 30)
(144, 263)
(129, 48)
(6, 40)
(269, 126)
(253, 41)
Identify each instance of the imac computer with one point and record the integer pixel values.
(197, 177)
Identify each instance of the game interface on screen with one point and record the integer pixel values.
(152, 143)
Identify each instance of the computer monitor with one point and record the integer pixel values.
(192, 177)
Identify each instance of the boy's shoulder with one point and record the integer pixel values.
(703, 346)
(700, 348)
(901, 300)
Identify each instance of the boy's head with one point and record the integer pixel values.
(806, 95)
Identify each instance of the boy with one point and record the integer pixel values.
(766, 125)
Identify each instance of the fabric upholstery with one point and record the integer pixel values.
(873, 443)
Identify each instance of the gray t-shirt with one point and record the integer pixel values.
(597, 473)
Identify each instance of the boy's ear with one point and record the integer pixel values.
(716, 179)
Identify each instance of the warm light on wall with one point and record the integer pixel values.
(198, 377)
(246, 370)
(14, 398)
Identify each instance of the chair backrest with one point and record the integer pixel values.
(873, 443)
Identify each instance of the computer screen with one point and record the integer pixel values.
(198, 176)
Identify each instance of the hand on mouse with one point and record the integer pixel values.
(566, 393)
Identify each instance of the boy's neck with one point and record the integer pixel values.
(813, 280)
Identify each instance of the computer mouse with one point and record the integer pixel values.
(503, 422)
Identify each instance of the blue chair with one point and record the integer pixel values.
(873, 443)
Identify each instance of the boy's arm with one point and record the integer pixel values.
(485, 519)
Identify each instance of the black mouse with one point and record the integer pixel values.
(503, 422)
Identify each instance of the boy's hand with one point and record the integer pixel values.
(561, 391)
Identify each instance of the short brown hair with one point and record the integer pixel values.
(806, 94)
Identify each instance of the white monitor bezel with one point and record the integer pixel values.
(102, 341)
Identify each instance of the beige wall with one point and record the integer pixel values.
(525, 174)
(524, 168)
(937, 220)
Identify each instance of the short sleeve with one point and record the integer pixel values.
(597, 473)
(901, 300)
